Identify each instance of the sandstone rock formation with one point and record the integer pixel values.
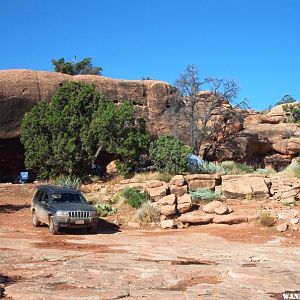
(265, 140)
(20, 90)
(245, 186)
(216, 207)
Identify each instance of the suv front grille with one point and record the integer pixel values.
(79, 214)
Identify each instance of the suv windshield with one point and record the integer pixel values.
(67, 197)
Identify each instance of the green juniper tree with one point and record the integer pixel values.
(62, 137)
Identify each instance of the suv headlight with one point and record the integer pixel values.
(61, 213)
(94, 213)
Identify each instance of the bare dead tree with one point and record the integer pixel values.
(208, 108)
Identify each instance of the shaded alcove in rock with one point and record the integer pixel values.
(11, 159)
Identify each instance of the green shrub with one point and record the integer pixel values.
(148, 212)
(293, 112)
(208, 167)
(169, 155)
(62, 137)
(205, 195)
(233, 168)
(135, 197)
(293, 169)
(265, 219)
(68, 181)
(265, 171)
(105, 209)
(223, 168)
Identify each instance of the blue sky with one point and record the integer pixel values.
(255, 42)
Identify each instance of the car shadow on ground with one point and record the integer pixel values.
(12, 208)
(104, 227)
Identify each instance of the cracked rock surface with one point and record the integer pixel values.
(202, 262)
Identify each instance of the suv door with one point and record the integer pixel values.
(44, 207)
(37, 203)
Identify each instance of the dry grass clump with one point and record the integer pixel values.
(293, 170)
(148, 212)
(265, 219)
(140, 177)
(145, 176)
(116, 179)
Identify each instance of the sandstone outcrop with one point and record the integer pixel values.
(199, 181)
(266, 140)
(20, 90)
(245, 186)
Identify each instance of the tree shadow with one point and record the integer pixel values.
(11, 208)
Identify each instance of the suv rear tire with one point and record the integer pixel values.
(53, 228)
(35, 221)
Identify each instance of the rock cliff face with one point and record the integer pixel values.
(264, 139)
(20, 90)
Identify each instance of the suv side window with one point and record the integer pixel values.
(38, 196)
(45, 197)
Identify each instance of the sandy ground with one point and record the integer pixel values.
(243, 261)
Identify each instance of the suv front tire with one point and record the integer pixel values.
(53, 228)
(35, 221)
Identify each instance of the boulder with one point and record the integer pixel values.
(271, 119)
(285, 188)
(167, 205)
(277, 161)
(178, 180)
(153, 184)
(215, 207)
(230, 219)
(277, 112)
(178, 190)
(133, 225)
(196, 218)
(282, 227)
(157, 192)
(167, 224)
(199, 181)
(111, 168)
(289, 146)
(184, 203)
(287, 214)
(244, 186)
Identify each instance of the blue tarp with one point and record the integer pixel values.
(194, 162)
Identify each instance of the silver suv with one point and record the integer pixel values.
(62, 207)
